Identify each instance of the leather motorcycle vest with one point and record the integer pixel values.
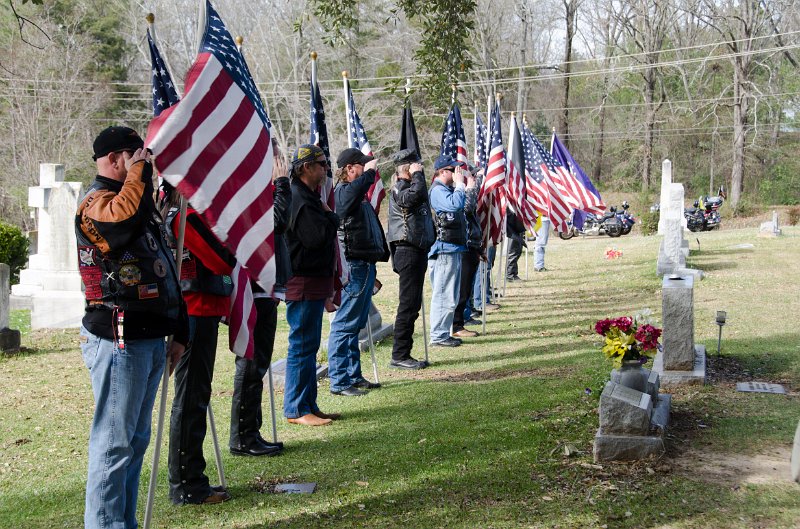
(140, 278)
(413, 226)
(362, 236)
(451, 226)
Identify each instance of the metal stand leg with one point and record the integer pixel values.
(272, 406)
(424, 328)
(213, 427)
(372, 351)
(482, 268)
(162, 407)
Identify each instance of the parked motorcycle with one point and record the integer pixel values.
(609, 224)
(704, 214)
(626, 218)
(695, 217)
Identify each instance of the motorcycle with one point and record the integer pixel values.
(626, 218)
(695, 217)
(712, 205)
(609, 224)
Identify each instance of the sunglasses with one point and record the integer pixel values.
(323, 164)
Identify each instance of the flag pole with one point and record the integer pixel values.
(500, 268)
(525, 124)
(346, 86)
(422, 306)
(491, 205)
(162, 404)
(484, 263)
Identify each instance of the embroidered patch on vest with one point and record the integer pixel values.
(86, 256)
(148, 291)
(159, 268)
(130, 275)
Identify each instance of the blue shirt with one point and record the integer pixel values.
(446, 199)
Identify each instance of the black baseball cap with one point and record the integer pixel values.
(116, 139)
(352, 156)
(405, 156)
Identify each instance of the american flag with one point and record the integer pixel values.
(214, 147)
(588, 196)
(517, 194)
(319, 137)
(454, 143)
(491, 197)
(358, 139)
(480, 158)
(164, 93)
(543, 193)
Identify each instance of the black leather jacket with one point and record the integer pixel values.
(311, 234)
(360, 231)
(410, 213)
(474, 234)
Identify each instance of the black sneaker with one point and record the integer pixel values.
(449, 342)
(473, 321)
(366, 384)
(408, 363)
(352, 391)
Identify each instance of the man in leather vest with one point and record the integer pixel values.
(311, 240)
(133, 301)
(444, 258)
(410, 236)
(515, 232)
(361, 235)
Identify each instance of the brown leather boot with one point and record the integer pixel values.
(310, 419)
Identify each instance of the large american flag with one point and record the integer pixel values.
(358, 139)
(582, 188)
(214, 147)
(454, 143)
(543, 193)
(319, 137)
(492, 197)
(517, 193)
(480, 156)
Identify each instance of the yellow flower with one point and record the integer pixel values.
(617, 345)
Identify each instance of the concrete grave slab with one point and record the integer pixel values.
(295, 488)
(624, 410)
(694, 376)
(760, 387)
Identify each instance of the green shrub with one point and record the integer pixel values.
(794, 216)
(649, 222)
(13, 249)
(745, 208)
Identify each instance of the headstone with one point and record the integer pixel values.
(666, 181)
(653, 381)
(9, 338)
(632, 424)
(760, 387)
(295, 488)
(770, 228)
(51, 281)
(624, 410)
(380, 330)
(278, 368)
(678, 320)
(670, 256)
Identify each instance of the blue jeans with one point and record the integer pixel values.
(344, 354)
(542, 234)
(305, 331)
(445, 272)
(124, 383)
(477, 304)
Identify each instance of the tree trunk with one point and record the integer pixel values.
(739, 130)
(571, 7)
(598, 150)
(649, 131)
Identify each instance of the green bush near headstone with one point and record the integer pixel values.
(648, 222)
(13, 249)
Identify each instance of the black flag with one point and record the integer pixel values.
(408, 132)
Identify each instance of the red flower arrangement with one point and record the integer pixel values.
(628, 339)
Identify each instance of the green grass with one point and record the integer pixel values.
(477, 439)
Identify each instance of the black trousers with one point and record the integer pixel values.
(514, 252)
(469, 267)
(410, 263)
(187, 480)
(248, 381)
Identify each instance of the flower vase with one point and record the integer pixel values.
(632, 375)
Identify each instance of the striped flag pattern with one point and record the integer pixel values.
(214, 147)
(358, 139)
(544, 190)
(492, 197)
(517, 193)
(480, 156)
(589, 199)
(242, 317)
(454, 143)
